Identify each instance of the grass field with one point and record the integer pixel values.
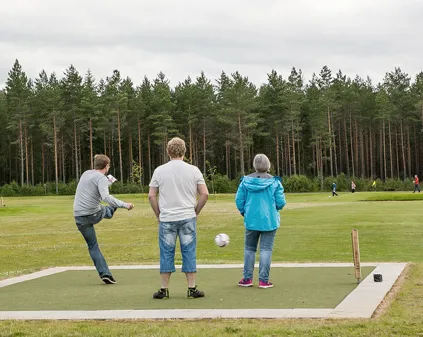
(39, 232)
(82, 290)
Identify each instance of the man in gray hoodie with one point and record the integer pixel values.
(93, 188)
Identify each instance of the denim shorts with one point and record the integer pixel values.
(186, 231)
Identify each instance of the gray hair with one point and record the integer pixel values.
(261, 163)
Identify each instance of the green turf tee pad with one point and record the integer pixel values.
(314, 287)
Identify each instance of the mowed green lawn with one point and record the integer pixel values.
(39, 232)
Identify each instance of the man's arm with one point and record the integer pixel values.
(103, 188)
(204, 196)
(152, 198)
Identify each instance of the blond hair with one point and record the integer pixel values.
(101, 161)
(176, 147)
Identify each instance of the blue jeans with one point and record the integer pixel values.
(186, 231)
(266, 247)
(85, 225)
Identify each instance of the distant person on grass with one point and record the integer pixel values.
(416, 184)
(93, 187)
(352, 187)
(334, 190)
(259, 198)
(178, 185)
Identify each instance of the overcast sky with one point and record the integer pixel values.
(185, 37)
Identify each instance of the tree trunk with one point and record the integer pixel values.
(241, 146)
(26, 152)
(91, 144)
(341, 155)
(226, 160)
(112, 149)
(335, 154)
(404, 167)
(390, 149)
(409, 151)
(21, 153)
(281, 144)
(42, 162)
(356, 144)
(299, 156)
(366, 153)
(362, 153)
(104, 142)
(294, 162)
(120, 146)
(320, 159)
(32, 164)
(140, 152)
(371, 153)
(416, 151)
(130, 154)
(79, 152)
(289, 155)
(63, 159)
(149, 153)
(330, 145)
(347, 159)
(76, 151)
(397, 158)
(380, 153)
(352, 147)
(190, 141)
(277, 154)
(55, 154)
(235, 167)
(204, 147)
(384, 152)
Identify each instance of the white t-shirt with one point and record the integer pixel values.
(177, 182)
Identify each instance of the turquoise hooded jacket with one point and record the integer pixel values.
(259, 201)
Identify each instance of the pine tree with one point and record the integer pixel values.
(71, 98)
(17, 99)
(162, 123)
(239, 112)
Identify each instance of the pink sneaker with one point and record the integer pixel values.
(265, 285)
(245, 282)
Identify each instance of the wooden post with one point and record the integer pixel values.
(356, 254)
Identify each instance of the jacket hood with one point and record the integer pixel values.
(253, 184)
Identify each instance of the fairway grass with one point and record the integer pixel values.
(39, 232)
(315, 287)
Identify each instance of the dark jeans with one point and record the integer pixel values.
(416, 187)
(85, 225)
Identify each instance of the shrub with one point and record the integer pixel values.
(299, 183)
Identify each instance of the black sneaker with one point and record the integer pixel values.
(108, 279)
(194, 293)
(161, 294)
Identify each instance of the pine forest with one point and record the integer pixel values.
(52, 126)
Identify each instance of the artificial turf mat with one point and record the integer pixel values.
(315, 287)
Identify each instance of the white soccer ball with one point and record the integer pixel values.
(222, 240)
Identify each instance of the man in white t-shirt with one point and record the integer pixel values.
(176, 210)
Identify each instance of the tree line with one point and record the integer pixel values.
(51, 127)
